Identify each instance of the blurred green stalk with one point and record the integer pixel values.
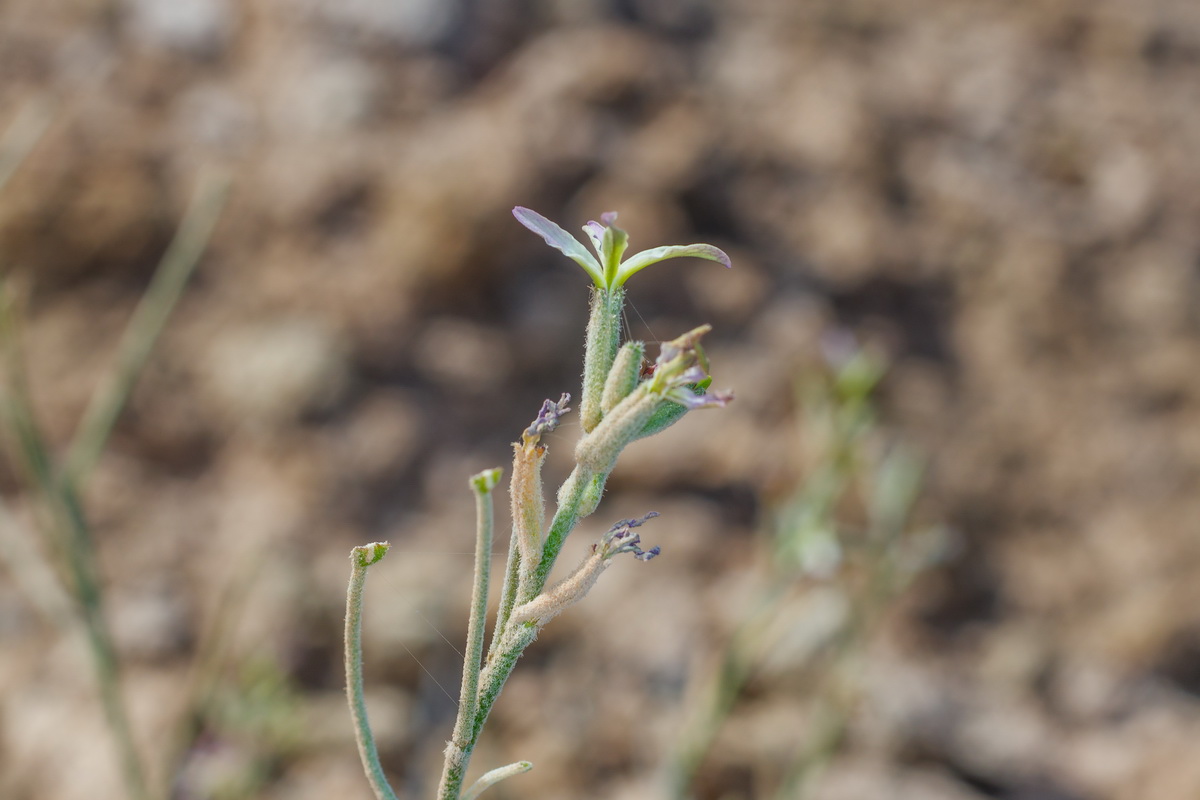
(64, 521)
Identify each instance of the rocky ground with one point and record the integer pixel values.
(1003, 197)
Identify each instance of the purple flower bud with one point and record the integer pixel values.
(548, 418)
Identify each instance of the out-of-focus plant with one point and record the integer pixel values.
(241, 730)
(70, 588)
(620, 403)
(847, 464)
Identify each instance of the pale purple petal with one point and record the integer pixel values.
(560, 240)
(690, 400)
(595, 232)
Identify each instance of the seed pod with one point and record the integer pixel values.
(597, 451)
(624, 376)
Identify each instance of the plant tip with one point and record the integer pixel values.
(487, 480)
(368, 554)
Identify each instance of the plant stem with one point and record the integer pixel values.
(69, 529)
(570, 498)
(462, 742)
(603, 340)
(21, 136)
(145, 326)
(494, 675)
(362, 558)
(514, 639)
(508, 595)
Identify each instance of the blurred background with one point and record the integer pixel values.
(943, 546)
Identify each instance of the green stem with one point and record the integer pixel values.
(571, 497)
(362, 558)
(494, 675)
(145, 327)
(721, 693)
(462, 742)
(573, 494)
(603, 340)
(68, 528)
(508, 595)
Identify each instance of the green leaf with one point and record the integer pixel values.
(654, 255)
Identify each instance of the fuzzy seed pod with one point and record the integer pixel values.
(597, 451)
(624, 376)
(528, 516)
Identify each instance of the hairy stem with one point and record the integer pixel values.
(462, 742)
(603, 340)
(508, 595)
(571, 500)
(362, 558)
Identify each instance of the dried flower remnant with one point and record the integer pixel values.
(547, 419)
(619, 539)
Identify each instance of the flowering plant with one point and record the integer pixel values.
(619, 404)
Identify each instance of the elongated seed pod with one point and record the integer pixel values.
(624, 376)
(597, 451)
(528, 517)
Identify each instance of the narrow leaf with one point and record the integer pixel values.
(645, 258)
(495, 776)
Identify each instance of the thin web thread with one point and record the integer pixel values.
(430, 674)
